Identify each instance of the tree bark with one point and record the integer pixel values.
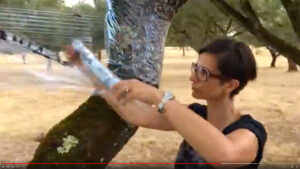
(274, 57)
(100, 132)
(292, 8)
(94, 133)
(292, 66)
(251, 22)
(273, 62)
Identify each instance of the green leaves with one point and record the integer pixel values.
(199, 22)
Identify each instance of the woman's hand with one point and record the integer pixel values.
(73, 56)
(128, 90)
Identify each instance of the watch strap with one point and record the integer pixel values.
(167, 97)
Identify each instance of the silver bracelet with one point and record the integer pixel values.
(167, 97)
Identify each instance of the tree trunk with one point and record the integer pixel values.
(94, 133)
(273, 61)
(183, 51)
(274, 57)
(100, 132)
(292, 66)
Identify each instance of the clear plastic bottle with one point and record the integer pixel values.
(98, 73)
(102, 76)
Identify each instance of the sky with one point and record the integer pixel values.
(73, 2)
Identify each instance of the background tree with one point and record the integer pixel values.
(13, 3)
(273, 22)
(199, 22)
(274, 55)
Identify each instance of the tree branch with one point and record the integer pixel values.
(263, 35)
(292, 8)
(176, 3)
(249, 11)
(229, 25)
(207, 30)
(238, 33)
(177, 30)
(219, 27)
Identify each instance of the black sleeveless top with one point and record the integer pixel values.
(187, 154)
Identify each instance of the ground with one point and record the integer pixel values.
(32, 100)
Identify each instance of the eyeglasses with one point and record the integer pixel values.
(203, 74)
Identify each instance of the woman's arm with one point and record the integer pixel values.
(138, 114)
(238, 147)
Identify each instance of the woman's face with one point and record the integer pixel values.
(211, 89)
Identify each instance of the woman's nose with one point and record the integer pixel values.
(192, 78)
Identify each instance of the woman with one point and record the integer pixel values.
(216, 133)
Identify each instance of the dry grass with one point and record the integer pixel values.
(31, 103)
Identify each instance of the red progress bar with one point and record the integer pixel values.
(96, 163)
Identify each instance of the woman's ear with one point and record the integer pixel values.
(232, 85)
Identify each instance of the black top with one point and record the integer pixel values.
(187, 154)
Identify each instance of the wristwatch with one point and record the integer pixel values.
(167, 97)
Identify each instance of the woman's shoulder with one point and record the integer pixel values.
(254, 126)
(248, 122)
(199, 109)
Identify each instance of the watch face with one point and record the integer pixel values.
(169, 95)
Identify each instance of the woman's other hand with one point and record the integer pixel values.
(73, 56)
(128, 90)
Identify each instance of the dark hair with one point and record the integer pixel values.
(234, 60)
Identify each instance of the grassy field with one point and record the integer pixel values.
(32, 100)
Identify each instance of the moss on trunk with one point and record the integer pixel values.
(93, 120)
